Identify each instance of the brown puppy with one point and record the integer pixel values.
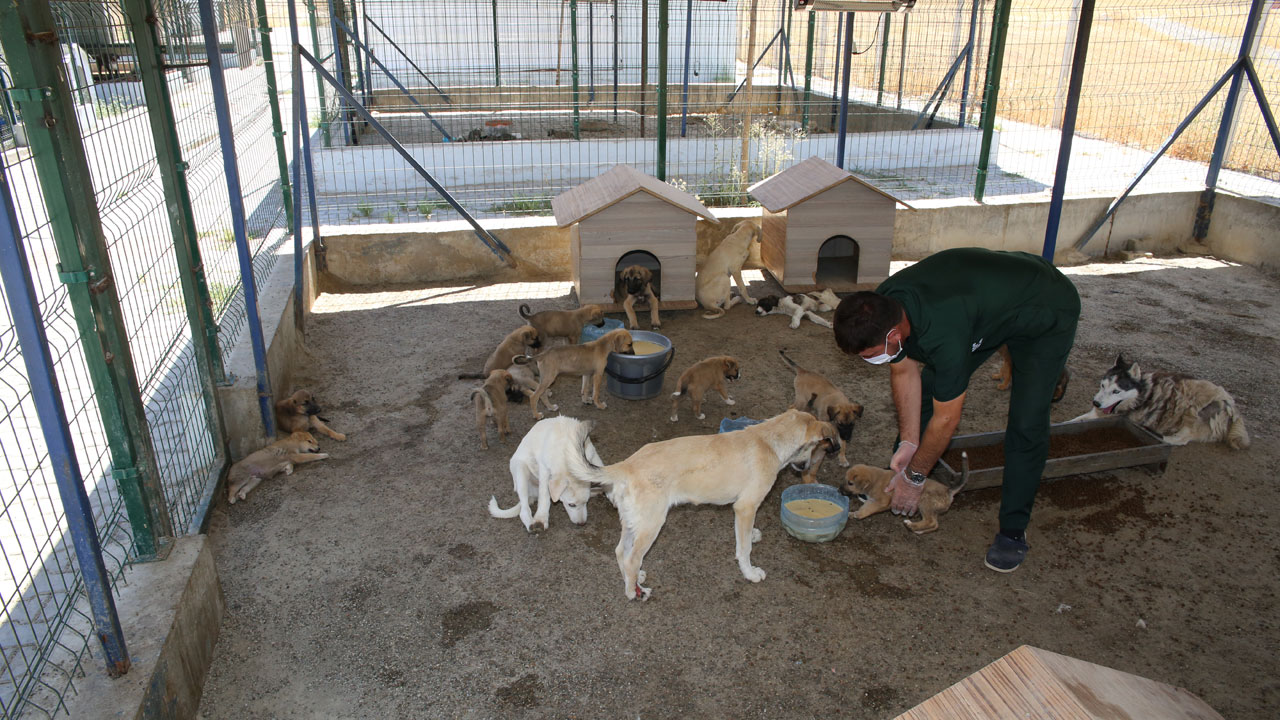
(525, 383)
(873, 484)
(491, 402)
(816, 394)
(636, 283)
(563, 323)
(278, 457)
(512, 345)
(587, 360)
(702, 376)
(299, 412)
(1005, 375)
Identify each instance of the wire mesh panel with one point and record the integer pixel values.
(509, 103)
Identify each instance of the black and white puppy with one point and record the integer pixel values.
(797, 306)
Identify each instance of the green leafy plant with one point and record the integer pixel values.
(523, 205)
(362, 210)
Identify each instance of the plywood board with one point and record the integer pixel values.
(616, 184)
(1034, 683)
(850, 210)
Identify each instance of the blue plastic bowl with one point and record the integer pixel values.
(591, 332)
(814, 530)
(731, 424)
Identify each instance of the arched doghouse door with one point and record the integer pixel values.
(645, 260)
(837, 263)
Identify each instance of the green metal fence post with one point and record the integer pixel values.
(173, 178)
(273, 97)
(662, 89)
(315, 48)
(884, 58)
(808, 70)
(497, 59)
(995, 62)
(31, 47)
(573, 40)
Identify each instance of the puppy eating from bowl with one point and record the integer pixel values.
(587, 360)
(818, 395)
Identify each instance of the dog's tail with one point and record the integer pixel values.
(525, 312)
(581, 468)
(498, 512)
(716, 312)
(964, 475)
(471, 376)
(1237, 436)
(488, 404)
(788, 360)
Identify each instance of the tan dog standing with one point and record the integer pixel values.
(736, 468)
(712, 287)
(873, 483)
(299, 412)
(278, 457)
(704, 375)
(517, 342)
(818, 395)
(491, 402)
(636, 282)
(587, 360)
(562, 323)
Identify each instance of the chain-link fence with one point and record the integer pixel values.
(509, 103)
(46, 631)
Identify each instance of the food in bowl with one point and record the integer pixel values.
(814, 508)
(645, 347)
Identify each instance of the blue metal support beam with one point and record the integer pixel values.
(27, 323)
(1263, 105)
(1068, 129)
(968, 61)
(222, 111)
(844, 89)
(369, 54)
(491, 242)
(940, 93)
(497, 71)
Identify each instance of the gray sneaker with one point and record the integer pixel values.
(1006, 554)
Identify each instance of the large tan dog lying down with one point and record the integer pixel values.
(736, 468)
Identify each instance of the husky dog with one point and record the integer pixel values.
(1176, 407)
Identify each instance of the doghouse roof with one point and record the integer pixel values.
(617, 184)
(803, 181)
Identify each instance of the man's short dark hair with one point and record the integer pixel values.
(863, 319)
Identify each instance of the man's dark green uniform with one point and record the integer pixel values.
(963, 304)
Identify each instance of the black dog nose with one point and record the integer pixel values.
(1097, 404)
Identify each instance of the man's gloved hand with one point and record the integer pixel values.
(906, 450)
(906, 496)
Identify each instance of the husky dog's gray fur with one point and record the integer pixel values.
(1178, 408)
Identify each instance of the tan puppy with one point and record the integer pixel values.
(816, 394)
(515, 343)
(712, 288)
(278, 457)
(873, 484)
(636, 283)
(299, 412)
(563, 323)
(491, 402)
(702, 376)
(587, 360)
(736, 468)
(526, 382)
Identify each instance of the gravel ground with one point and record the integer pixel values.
(376, 585)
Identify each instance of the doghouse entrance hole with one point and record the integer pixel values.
(838, 264)
(643, 259)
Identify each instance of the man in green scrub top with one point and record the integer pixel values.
(938, 321)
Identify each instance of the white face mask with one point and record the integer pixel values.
(885, 356)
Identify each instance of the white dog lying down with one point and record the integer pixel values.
(798, 306)
(539, 465)
(736, 468)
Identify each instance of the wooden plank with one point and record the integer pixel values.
(615, 185)
(1034, 683)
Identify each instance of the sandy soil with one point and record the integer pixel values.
(376, 585)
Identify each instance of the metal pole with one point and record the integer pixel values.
(1068, 130)
(995, 61)
(615, 60)
(301, 157)
(222, 111)
(573, 42)
(373, 59)
(46, 104)
(368, 51)
(1204, 211)
(844, 89)
(273, 97)
(359, 62)
(1267, 118)
(497, 61)
(745, 165)
(968, 61)
(315, 45)
(902, 59)
(340, 69)
(688, 40)
(644, 63)
(662, 88)
(591, 52)
(884, 58)
(29, 327)
(407, 59)
(835, 66)
(808, 71)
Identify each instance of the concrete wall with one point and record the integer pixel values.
(1244, 230)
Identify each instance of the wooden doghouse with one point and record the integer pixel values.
(624, 217)
(823, 227)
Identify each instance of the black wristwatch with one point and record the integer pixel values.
(916, 478)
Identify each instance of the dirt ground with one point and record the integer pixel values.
(376, 585)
